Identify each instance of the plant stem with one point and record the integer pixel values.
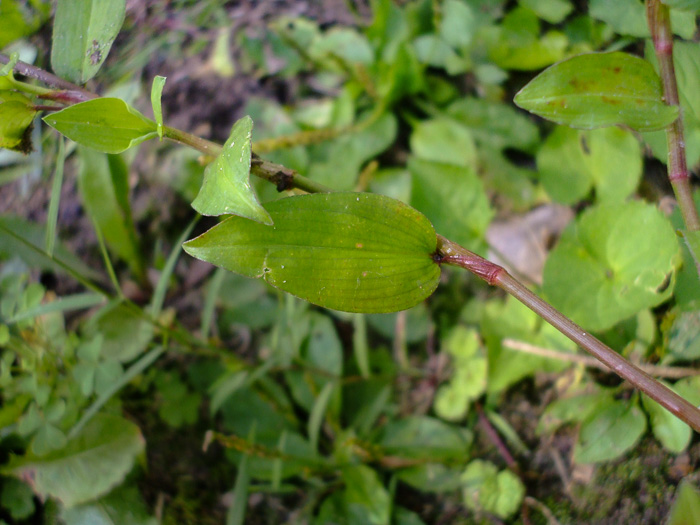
(495, 275)
(283, 177)
(47, 78)
(659, 20)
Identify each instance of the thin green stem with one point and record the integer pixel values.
(495, 275)
(659, 20)
(283, 177)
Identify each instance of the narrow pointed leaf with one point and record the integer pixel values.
(226, 188)
(109, 125)
(597, 90)
(83, 33)
(346, 251)
(156, 93)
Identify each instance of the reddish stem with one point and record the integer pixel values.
(452, 253)
(659, 20)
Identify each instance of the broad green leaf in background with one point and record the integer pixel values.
(17, 498)
(689, 5)
(156, 93)
(517, 44)
(434, 51)
(682, 337)
(610, 432)
(444, 140)
(83, 33)
(597, 90)
(468, 380)
(366, 500)
(226, 187)
(613, 262)
(125, 333)
(104, 188)
(552, 11)
(121, 506)
(345, 44)
(109, 125)
(91, 464)
(338, 163)
(18, 19)
(570, 162)
(453, 198)
(487, 489)
(16, 116)
(423, 437)
(346, 251)
(457, 24)
(495, 124)
(673, 433)
(628, 17)
(686, 507)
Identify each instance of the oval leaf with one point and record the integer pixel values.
(16, 118)
(614, 262)
(83, 33)
(356, 252)
(109, 125)
(226, 187)
(90, 465)
(597, 90)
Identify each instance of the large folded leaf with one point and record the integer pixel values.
(347, 251)
(109, 125)
(83, 33)
(599, 89)
(90, 465)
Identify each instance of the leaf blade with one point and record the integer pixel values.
(346, 251)
(109, 125)
(587, 92)
(82, 36)
(226, 188)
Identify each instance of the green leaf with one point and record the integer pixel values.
(444, 140)
(423, 437)
(683, 336)
(458, 23)
(16, 116)
(612, 263)
(495, 124)
(83, 33)
(103, 185)
(517, 44)
(609, 433)
(570, 162)
(688, 5)
(673, 433)
(18, 19)
(487, 489)
(226, 187)
(553, 11)
(17, 498)
(126, 332)
(367, 500)
(686, 507)
(347, 251)
(468, 380)
(92, 463)
(597, 90)
(156, 93)
(109, 125)
(453, 198)
(121, 506)
(628, 17)
(317, 414)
